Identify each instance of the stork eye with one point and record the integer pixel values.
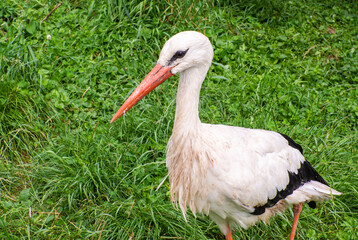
(178, 54)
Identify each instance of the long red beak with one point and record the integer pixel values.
(158, 75)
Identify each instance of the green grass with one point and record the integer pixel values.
(66, 173)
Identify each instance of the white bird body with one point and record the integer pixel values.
(225, 171)
(235, 175)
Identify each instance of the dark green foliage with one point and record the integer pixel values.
(66, 173)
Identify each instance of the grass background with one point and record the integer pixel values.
(66, 173)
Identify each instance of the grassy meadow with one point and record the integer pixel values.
(67, 173)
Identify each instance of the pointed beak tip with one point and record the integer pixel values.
(115, 117)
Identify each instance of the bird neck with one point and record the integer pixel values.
(187, 101)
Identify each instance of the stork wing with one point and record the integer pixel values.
(257, 168)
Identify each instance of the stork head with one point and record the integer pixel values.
(181, 52)
(185, 50)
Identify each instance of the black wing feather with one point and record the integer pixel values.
(304, 174)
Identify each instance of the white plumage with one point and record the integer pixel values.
(235, 175)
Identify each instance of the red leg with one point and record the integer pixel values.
(297, 210)
(228, 235)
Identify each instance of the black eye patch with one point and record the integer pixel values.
(178, 54)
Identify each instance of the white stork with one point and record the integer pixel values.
(235, 175)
